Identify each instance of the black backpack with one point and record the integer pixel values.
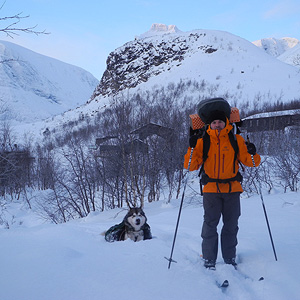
(207, 106)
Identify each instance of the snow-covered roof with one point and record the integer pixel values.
(274, 114)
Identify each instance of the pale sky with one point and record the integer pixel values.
(84, 32)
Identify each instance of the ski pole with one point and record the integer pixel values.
(265, 212)
(179, 213)
(263, 205)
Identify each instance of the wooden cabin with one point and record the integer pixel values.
(272, 121)
(111, 145)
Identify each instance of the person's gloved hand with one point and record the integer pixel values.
(251, 148)
(193, 141)
(194, 131)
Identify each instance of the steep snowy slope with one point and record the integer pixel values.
(36, 87)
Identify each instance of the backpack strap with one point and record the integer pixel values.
(206, 146)
(234, 144)
(205, 179)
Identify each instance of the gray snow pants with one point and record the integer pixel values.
(216, 205)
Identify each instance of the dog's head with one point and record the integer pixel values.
(136, 218)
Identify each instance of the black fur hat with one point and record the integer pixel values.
(216, 115)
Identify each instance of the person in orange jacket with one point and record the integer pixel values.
(222, 186)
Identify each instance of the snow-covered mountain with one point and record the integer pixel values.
(204, 63)
(230, 65)
(35, 87)
(276, 47)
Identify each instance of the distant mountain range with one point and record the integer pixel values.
(276, 47)
(285, 49)
(35, 87)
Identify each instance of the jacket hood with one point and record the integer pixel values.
(224, 131)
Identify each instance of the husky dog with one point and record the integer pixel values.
(134, 226)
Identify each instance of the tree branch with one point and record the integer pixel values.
(12, 29)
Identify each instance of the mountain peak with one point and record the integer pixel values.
(160, 29)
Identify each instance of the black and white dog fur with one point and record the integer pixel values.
(134, 226)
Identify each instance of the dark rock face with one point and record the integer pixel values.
(137, 61)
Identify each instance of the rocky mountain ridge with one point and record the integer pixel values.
(137, 61)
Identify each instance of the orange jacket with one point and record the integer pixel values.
(219, 163)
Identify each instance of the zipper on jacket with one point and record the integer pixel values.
(219, 156)
(219, 161)
(223, 163)
(215, 165)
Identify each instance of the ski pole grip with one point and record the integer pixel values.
(248, 141)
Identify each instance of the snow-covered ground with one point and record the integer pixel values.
(72, 261)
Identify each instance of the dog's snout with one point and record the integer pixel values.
(138, 221)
